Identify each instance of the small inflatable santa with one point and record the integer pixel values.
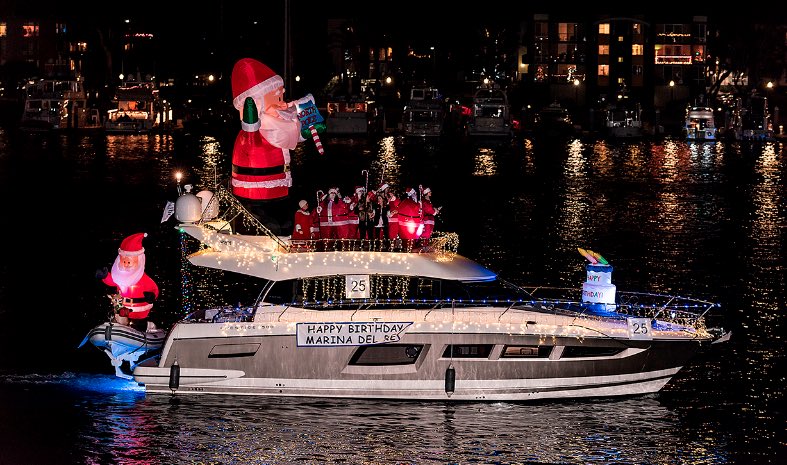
(136, 290)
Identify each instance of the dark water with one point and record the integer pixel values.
(701, 220)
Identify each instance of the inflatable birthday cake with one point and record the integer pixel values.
(598, 287)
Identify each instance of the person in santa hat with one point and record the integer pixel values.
(353, 215)
(136, 291)
(332, 211)
(303, 223)
(393, 213)
(429, 212)
(261, 167)
(409, 213)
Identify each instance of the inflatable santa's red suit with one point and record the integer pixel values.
(136, 290)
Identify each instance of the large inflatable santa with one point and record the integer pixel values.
(136, 291)
(261, 176)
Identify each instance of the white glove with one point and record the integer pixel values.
(319, 209)
(298, 228)
(437, 210)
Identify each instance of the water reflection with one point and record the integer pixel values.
(259, 430)
(706, 220)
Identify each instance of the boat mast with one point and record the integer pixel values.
(287, 46)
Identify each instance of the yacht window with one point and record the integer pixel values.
(582, 351)
(388, 354)
(282, 292)
(526, 352)
(468, 351)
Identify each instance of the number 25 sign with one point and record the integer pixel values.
(356, 286)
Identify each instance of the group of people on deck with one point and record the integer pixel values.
(376, 214)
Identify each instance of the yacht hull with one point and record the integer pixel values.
(274, 365)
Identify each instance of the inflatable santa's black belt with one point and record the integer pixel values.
(133, 300)
(246, 171)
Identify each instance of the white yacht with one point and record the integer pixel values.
(137, 108)
(700, 124)
(424, 114)
(58, 103)
(490, 114)
(409, 320)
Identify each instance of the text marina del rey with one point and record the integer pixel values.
(349, 334)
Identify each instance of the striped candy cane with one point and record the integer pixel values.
(317, 141)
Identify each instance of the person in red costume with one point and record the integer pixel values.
(410, 225)
(429, 212)
(393, 214)
(136, 291)
(303, 224)
(332, 211)
(358, 209)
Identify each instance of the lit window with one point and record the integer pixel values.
(636, 28)
(620, 38)
(603, 28)
(621, 80)
(603, 70)
(603, 49)
(30, 30)
(566, 31)
(3, 32)
(620, 59)
(637, 49)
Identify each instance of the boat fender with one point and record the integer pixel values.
(174, 376)
(450, 380)
(108, 332)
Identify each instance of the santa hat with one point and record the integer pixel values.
(359, 189)
(251, 78)
(383, 187)
(427, 191)
(410, 191)
(333, 190)
(303, 204)
(132, 245)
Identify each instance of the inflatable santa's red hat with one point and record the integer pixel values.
(250, 78)
(132, 245)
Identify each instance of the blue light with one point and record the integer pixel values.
(105, 384)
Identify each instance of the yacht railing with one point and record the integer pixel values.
(683, 311)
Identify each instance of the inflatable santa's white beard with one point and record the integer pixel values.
(126, 278)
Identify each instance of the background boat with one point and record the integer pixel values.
(58, 103)
(490, 114)
(138, 108)
(554, 121)
(700, 123)
(624, 121)
(424, 113)
(348, 115)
